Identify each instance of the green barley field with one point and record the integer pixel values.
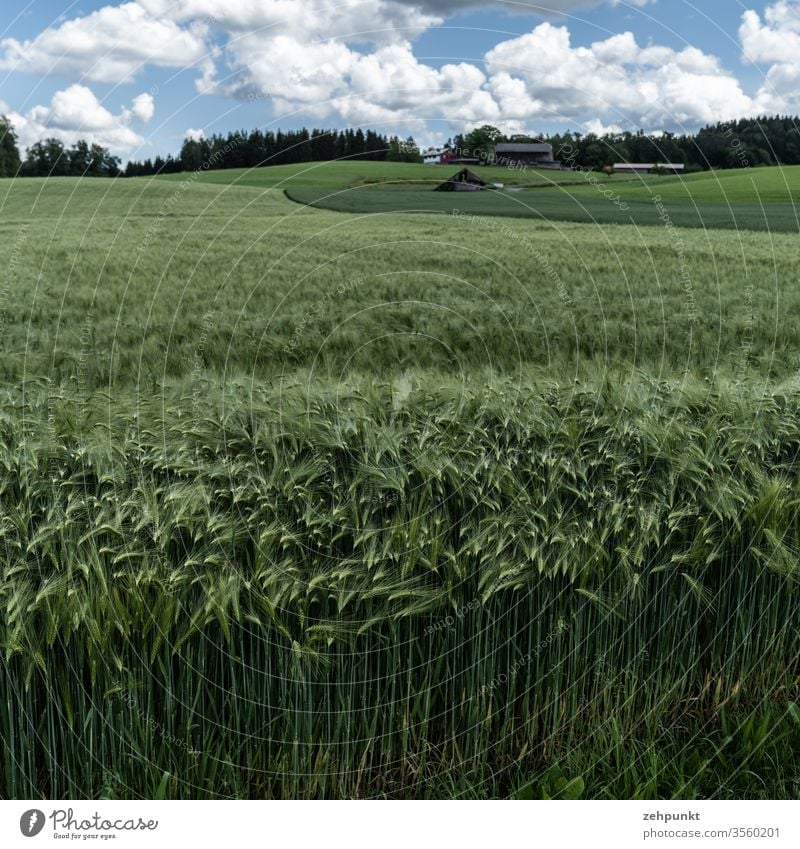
(301, 502)
(344, 174)
(745, 199)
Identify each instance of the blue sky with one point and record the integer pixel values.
(137, 76)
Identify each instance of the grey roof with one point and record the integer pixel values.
(518, 147)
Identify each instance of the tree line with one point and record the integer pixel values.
(237, 149)
(52, 158)
(9, 152)
(741, 143)
(243, 149)
(734, 144)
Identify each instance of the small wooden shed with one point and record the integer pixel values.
(463, 181)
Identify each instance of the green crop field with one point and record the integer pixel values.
(304, 503)
(743, 185)
(339, 174)
(745, 199)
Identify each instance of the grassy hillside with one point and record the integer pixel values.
(746, 199)
(341, 175)
(585, 205)
(736, 186)
(304, 504)
(174, 282)
(751, 185)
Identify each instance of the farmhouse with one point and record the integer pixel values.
(433, 156)
(462, 181)
(647, 167)
(447, 156)
(519, 153)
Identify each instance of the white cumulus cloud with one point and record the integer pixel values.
(76, 113)
(354, 61)
(143, 107)
(775, 44)
(542, 75)
(111, 44)
(353, 20)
